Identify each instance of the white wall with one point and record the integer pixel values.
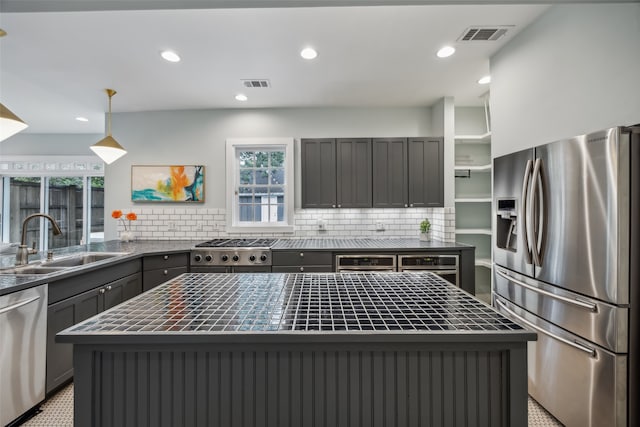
(574, 70)
(36, 144)
(198, 137)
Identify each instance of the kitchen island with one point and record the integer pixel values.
(300, 349)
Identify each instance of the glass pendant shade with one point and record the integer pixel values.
(10, 124)
(108, 148)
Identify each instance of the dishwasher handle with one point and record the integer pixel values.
(18, 305)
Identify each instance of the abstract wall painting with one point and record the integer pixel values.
(176, 183)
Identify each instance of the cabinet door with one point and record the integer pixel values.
(353, 158)
(390, 177)
(122, 290)
(318, 173)
(61, 316)
(426, 172)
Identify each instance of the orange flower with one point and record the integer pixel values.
(116, 214)
(132, 216)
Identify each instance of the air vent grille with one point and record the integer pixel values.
(259, 83)
(478, 33)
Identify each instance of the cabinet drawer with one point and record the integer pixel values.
(293, 258)
(303, 269)
(152, 278)
(165, 261)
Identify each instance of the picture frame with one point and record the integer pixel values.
(167, 183)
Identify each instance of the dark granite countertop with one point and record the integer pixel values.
(282, 307)
(364, 244)
(12, 283)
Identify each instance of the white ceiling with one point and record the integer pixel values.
(55, 66)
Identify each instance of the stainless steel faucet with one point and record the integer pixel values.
(22, 256)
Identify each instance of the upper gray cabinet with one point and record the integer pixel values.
(378, 172)
(318, 173)
(426, 172)
(390, 177)
(353, 158)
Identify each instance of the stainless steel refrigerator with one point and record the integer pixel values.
(567, 264)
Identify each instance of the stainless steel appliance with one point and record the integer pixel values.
(23, 337)
(445, 266)
(232, 255)
(567, 261)
(346, 263)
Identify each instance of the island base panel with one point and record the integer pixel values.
(253, 385)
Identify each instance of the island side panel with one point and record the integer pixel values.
(425, 384)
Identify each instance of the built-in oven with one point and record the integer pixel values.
(346, 263)
(445, 266)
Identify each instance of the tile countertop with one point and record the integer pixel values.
(281, 307)
(12, 283)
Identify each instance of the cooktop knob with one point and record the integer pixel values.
(252, 258)
(236, 257)
(198, 258)
(208, 258)
(263, 257)
(225, 258)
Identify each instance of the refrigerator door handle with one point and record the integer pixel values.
(524, 208)
(591, 307)
(590, 351)
(537, 204)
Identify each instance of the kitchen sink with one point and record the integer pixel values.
(29, 269)
(83, 259)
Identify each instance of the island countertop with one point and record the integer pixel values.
(281, 307)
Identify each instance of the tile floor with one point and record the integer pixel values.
(58, 412)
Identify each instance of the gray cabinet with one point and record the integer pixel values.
(158, 269)
(100, 296)
(390, 177)
(426, 172)
(353, 168)
(318, 173)
(302, 261)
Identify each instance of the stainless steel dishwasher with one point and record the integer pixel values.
(23, 337)
(445, 266)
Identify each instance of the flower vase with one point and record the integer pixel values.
(126, 236)
(425, 237)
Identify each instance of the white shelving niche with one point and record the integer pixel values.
(473, 203)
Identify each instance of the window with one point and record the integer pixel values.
(65, 188)
(260, 195)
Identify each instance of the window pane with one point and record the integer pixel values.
(65, 206)
(277, 176)
(262, 159)
(262, 176)
(97, 208)
(246, 177)
(247, 159)
(24, 200)
(246, 212)
(277, 159)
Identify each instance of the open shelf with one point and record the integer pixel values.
(473, 200)
(484, 138)
(475, 168)
(485, 231)
(484, 262)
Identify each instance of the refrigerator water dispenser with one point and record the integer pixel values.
(507, 224)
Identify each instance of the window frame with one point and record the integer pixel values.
(259, 144)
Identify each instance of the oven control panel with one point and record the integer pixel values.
(230, 256)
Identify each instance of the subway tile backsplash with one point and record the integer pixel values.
(193, 223)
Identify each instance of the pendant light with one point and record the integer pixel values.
(108, 148)
(10, 124)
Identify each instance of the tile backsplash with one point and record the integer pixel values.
(193, 223)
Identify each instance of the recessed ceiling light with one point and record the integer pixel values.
(446, 51)
(485, 80)
(170, 56)
(82, 119)
(241, 97)
(308, 53)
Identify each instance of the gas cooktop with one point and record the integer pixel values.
(237, 243)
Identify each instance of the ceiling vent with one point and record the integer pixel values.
(256, 83)
(487, 33)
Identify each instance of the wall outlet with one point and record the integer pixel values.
(322, 224)
(380, 226)
(171, 226)
(199, 226)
